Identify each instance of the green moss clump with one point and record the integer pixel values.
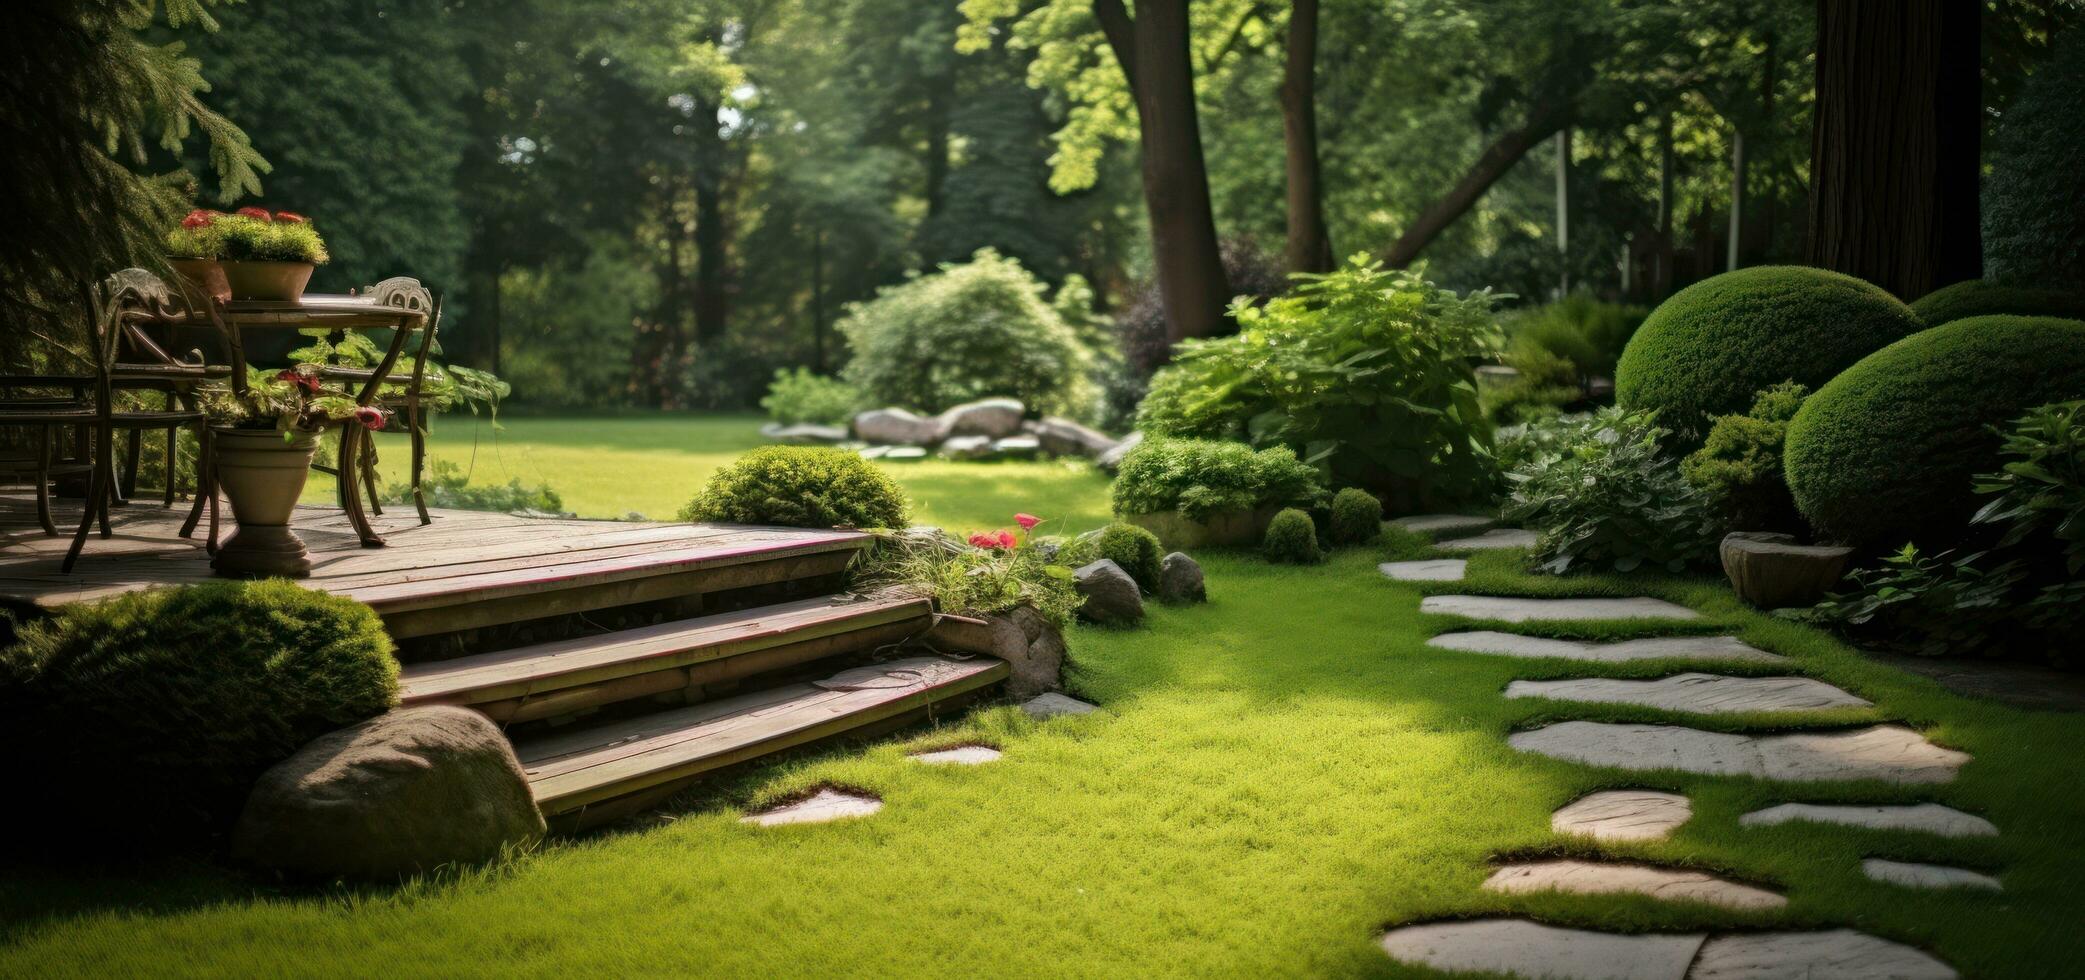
(1982, 297)
(1706, 351)
(1135, 549)
(1886, 452)
(1292, 539)
(800, 486)
(1357, 517)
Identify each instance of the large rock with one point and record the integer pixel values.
(1112, 459)
(967, 447)
(1111, 595)
(1180, 580)
(1063, 437)
(896, 425)
(1030, 644)
(805, 434)
(1017, 447)
(400, 794)
(1771, 570)
(993, 418)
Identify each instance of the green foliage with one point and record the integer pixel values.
(178, 699)
(1292, 539)
(1364, 371)
(1887, 451)
(449, 487)
(197, 241)
(801, 396)
(1133, 548)
(800, 486)
(1583, 330)
(1547, 383)
(2033, 202)
(978, 581)
(1982, 297)
(258, 240)
(1201, 477)
(1932, 605)
(971, 330)
(1706, 351)
(1608, 494)
(1740, 463)
(1357, 517)
(2039, 494)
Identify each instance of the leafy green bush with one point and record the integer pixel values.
(1292, 539)
(1982, 297)
(1741, 462)
(1587, 333)
(1357, 517)
(1887, 451)
(1605, 492)
(1706, 351)
(1365, 371)
(446, 485)
(800, 486)
(1135, 549)
(1547, 383)
(972, 330)
(800, 396)
(157, 710)
(2033, 202)
(1201, 477)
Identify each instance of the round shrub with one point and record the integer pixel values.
(1885, 453)
(1204, 477)
(1133, 548)
(1292, 539)
(1357, 517)
(1711, 347)
(157, 710)
(800, 486)
(1982, 297)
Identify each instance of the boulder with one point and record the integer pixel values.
(399, 794)
(967, 447)
(1017, 447)
(1063, 437)
(1112, 459)
(1030, 644)
(993, 418)
(1180, 580)
(896, 425)
(805, 434)
(1111, 595)
(1771, 570)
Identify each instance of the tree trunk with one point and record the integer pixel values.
(1737, 196)
(711, 241)
(1310, 243)
(1895, 149)
(936, 123)
(1498, 158)
(1564, 210)
(1661, 273)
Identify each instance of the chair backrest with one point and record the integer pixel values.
(118, 307)
(406, 293)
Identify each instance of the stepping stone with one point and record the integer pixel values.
(1430, 570)
(1912, 875)
(1517, 610)
(1841, 954)
(1531, 949)
(1657, 648)
(1496, 539)
(1706, 694)
(961, 755)
(825, 805)
(1623, 814)
(1887, 752)
(1607, 878)
(1051, 705)
(1931, 818)
(1444, 525)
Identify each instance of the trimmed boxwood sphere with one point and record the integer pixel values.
(1885, 453)
(1709, 349)
(1982, 297)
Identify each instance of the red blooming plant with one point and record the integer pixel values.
(999, 571)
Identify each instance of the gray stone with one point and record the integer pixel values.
(873, 452)
(1112, 459)
(1770, 570)
(1891, 753)
(1531, 949)
(1913, 875)
(1429, 570)
(1623, 814)
(905, 454)
(1840, 954)
(1033, 647)
(1444, 525)
(993, 418)
(1610, 877)
(806, 434)
(820, 807)
(967, 447)
(1063, 437)
(895, 425)
(1017, 447)
(1517, 610)
(1931, 818)
(1053, 705)
(1656, 648)
(961, 755)
(399, 794)
(1496, 539)
(1180, 580)
(1706, 694)
(1111, 595)
(1496, 375)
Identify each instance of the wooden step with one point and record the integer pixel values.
(571, 771)
(550, 679)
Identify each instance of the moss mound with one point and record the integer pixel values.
(1885, 452)
(1292, 539)
(1709, 349)
(1135, 549)
(1357, 517)
(1982, 297)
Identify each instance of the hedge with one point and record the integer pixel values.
(1982, 297)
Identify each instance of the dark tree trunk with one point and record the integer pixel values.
(936, 122)
(1310, 244)
(711, 234)
(1498, 158)
(1894, 154)
(658, 344)
(1661, 273)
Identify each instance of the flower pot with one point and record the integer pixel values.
(201, 280)
(263, 474)
(282, 281)
(1228, 528)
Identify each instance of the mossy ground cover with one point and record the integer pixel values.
(1276, 776)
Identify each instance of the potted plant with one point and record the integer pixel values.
(1197, 492)
(194, 250)
(263, 446)
(268, 256)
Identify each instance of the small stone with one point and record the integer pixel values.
(1429, 570)
(1912, 875)
(961, 755)
(1064, 437)
(895, 425)
(1605, 878)
(1496, 375)
(635, 517)
(806, 434)
(967, 447)
(1496, 539)
(1623, 814)
(1444, 525)
(1931, 818)
(1656, 648)
(1531, 949)
(1706, 694)
(822, 806)
(1112, 459)
(1841, 954)
(1891, 753)
(1018, 447)
(905, 454)
(1180, 580)
(1518, 610)
(993, 418)
(1111, 595)
(1771, 571)
(873, 452)
(1047, 706)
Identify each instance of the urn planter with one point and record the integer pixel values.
(281, 281)
(1234, 528)
(263, 474)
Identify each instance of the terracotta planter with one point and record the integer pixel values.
(282, 281)
(201, 280)
(263, 474)
(1227, 529)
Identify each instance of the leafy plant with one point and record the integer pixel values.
(1545, 384)
(801, 396)
(993, 574)
(1604, 492)
(800, 486)
(1931, 605)
(2040, 491)
(1202, 477)
(1292, 539)
(444, 386)
(1357, 517)
(1740, 462)
(292, 400)
(446, 485)
(1586, 333)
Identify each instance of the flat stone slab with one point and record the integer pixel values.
(1706, 694)
(1517, 610)
(1531, 949)
(1840, 954)
(1430, 570)
(823, 806)
(1887, 752)
(1444, 525)
(1623, 814)
(1913, 875)
(1931, 818)
(1607, 878)
(1046, 706)
(1656, 648)
(961, 755)
(1496, 539)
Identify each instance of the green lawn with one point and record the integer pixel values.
(1276, 776)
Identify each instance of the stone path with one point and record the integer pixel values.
(1428, 570)
(1536, 647)
(1046, 706)
(961, 755)
(1705, 694)
(1931, 818)
(1531, 949)
(1891, 753)
(822, 806)
(1496, 539)
(1623, 814)
(1913, 875)
(1517, 610)
(1606, 878)
(1444, 525)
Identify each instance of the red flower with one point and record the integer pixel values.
(290, 217)
(1027, 521)
(257, 214)
(308, 382)
(371, 417)
(199, 218)
(1006, 539)
(979, 539)
(991, 539)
